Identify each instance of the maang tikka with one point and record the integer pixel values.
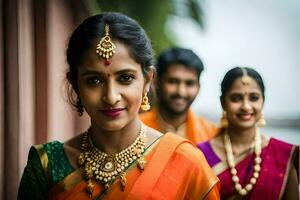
(106, 48)
(245, 78)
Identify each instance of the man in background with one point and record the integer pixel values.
(177, 85)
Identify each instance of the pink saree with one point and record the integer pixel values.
(277, 158)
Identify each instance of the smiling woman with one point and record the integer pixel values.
(112, 94)
(248, 164)
(110, 71)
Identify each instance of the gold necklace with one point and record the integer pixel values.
(104, 168)
(257, 161)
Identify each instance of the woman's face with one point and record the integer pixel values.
(243, 104)
(111, 94)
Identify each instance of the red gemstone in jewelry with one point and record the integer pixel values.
(107, 62)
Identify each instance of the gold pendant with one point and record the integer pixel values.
(90, 188)
(141, 163)
(123, 180)
(108, 164)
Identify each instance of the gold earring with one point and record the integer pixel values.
(224, 120)
(261, 122)
(145, 103)
(79, 107)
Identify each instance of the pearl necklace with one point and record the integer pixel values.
(257, 161)
(104, 168)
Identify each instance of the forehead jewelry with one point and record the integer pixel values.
(106, 48)
(245, 78)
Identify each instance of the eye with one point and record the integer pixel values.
(126, 78)
(173, 81)
(254, 97)
(94, 81)
(190, 83)
(236, 97)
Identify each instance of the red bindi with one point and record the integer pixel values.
(107, 62)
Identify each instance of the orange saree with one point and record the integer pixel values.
(197, 129)
(175, 169)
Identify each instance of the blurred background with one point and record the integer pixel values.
(263, 34)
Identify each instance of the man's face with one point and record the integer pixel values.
(177, 88)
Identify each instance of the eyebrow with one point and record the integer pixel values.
(126, 71)
(238, 93)
(93, 72)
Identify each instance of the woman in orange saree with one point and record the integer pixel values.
(250, 165)
(110, 70)
(174, 171)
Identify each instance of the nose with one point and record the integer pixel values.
(111, 95)
(246, 105)
(182, 89)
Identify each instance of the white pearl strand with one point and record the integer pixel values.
(230, 159)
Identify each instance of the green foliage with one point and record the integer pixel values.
(151, 14)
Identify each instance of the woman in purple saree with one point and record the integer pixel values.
(248, 164)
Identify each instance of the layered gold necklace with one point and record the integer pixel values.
(257, 161)
(104, 168)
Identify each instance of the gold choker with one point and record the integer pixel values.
(257, 161)
(104, 168)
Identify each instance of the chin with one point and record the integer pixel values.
(246, 125)
(178, 110)
(112, 126)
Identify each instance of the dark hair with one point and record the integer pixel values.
(236, 73)
(121, 28)
(178, 55)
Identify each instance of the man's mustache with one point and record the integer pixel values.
(177, 96)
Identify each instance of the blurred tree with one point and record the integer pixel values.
(153, 15)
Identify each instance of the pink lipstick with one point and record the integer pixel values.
(245, 116)
(112, 112)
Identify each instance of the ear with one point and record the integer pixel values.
(222, 103)
(72, 83)
(148, 79)
(199, 86)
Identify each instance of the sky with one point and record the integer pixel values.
(262, 34)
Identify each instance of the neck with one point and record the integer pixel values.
(112, 142)
(172, 119)
(241, 137)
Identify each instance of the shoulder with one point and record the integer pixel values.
(191, 162)
(150, 119)
(148, 115)
(184, 150)
(280, 143)
(45, 151)
(38, 160)
(191, 154)
(208, 126)
(41, 151)
(282, 149)
(50, 146)
(207, 123)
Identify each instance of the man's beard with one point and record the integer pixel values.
(168, 108)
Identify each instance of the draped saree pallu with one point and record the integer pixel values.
(277, 158)
(174, 170)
